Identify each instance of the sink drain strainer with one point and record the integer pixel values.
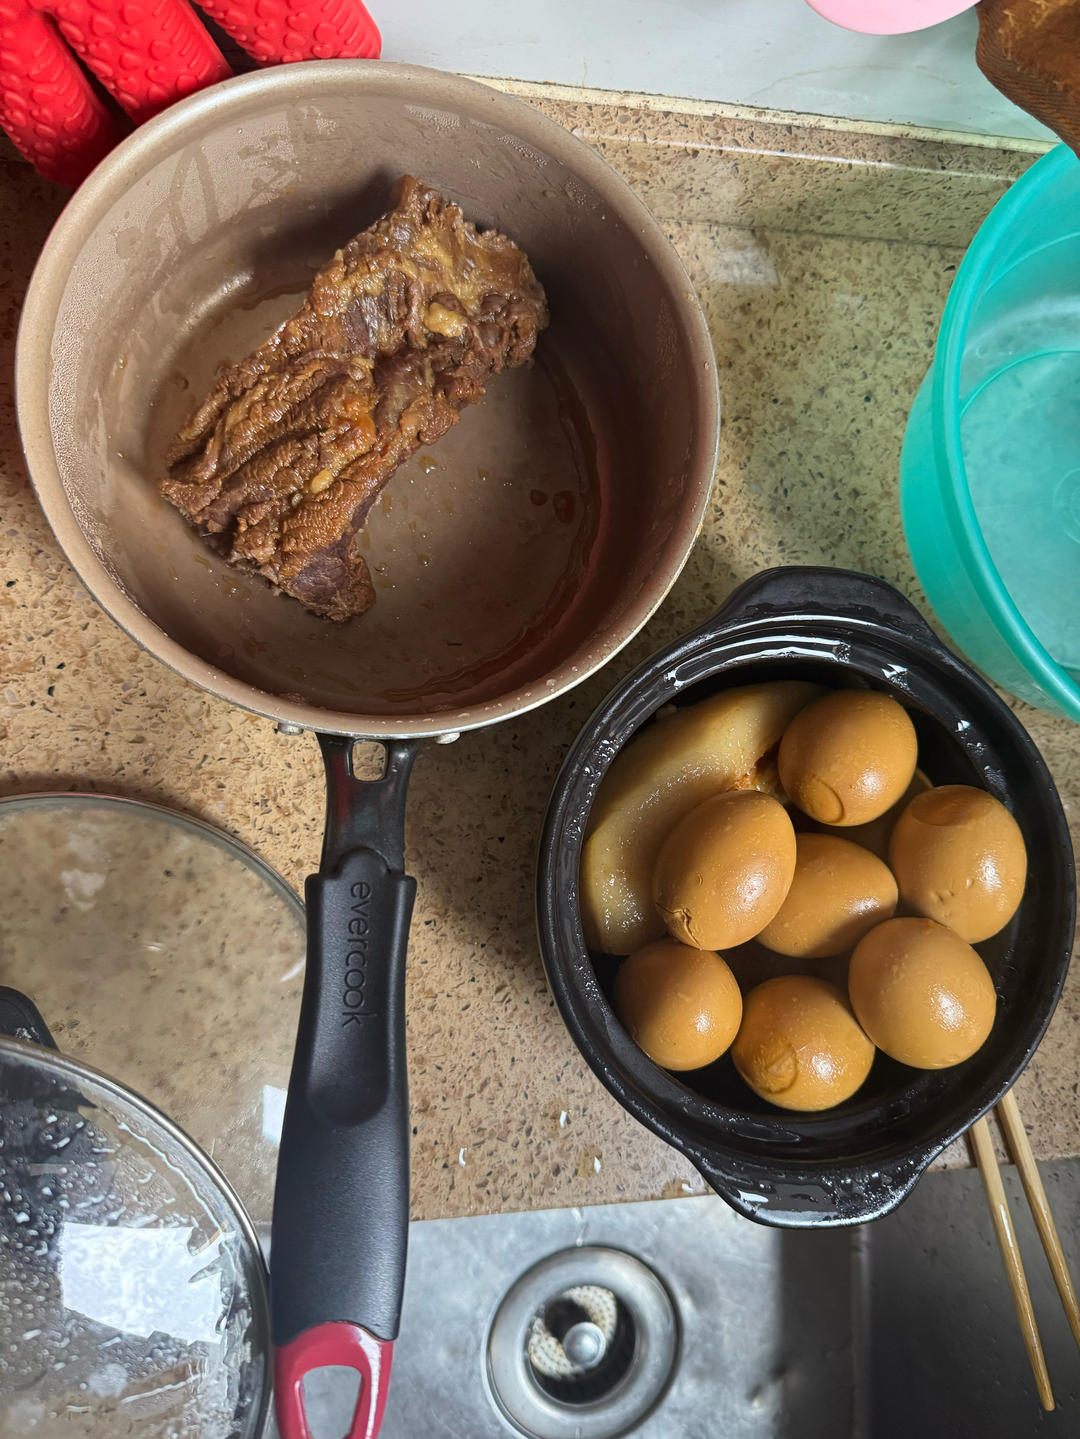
(582, 1346)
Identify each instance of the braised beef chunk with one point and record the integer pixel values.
(281, 463)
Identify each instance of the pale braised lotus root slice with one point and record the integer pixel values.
(725, 742)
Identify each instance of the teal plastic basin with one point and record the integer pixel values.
(990, 468)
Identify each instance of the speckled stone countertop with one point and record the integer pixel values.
(823, 257)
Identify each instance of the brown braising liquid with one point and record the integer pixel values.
(567, 534)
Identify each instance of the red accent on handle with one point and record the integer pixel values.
(345, 1344)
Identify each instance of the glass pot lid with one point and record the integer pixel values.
(132, 1289)
(165, 953)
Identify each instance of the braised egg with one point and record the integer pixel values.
(959, 857)
(725, 869)
(799, 1045)
(921, 993)
(847, 757)
(838, 893)
(682, 1006)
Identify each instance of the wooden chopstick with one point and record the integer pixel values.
(1008, 1113)
(1010, 1253)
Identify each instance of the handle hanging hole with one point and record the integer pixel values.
(331, 1395)
(368, 760)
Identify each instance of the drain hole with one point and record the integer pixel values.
(581, 1345)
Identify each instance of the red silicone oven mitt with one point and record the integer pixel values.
(146, 53)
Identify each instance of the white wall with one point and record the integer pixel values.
(773, 53)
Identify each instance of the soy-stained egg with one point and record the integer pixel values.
(725, 869)
(682, 1006)
(838, 893)
(959, 857)
(847, 757)
(921, 993)
(799, 1045)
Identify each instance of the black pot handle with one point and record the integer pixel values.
(792, 592)
(21, 1019)
(848, 1196)
(341, 1205)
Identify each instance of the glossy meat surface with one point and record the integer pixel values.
(280, 465)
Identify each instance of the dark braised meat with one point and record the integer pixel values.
(281, 463)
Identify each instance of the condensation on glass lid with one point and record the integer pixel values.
(132, 1292)
(164, 953)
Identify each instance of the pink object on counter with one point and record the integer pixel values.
(888, 17)
(146, 53)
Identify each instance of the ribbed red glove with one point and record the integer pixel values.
(147, 53)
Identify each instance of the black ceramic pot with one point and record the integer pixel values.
(857, 1161)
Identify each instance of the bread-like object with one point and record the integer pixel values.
(728, 741)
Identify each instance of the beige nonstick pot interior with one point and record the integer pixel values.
(512, 558)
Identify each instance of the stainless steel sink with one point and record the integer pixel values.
(679, 1320)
